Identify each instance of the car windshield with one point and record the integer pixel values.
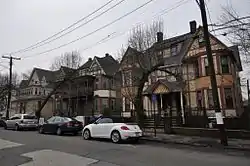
(29, 117)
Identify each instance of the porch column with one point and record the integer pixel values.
(182, 108)
(161, 103)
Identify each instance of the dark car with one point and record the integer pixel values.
(60, 125)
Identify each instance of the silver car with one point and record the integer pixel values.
(22, 121)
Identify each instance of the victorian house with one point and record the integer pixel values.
(94, 88)
(184, 55)
(33, 91)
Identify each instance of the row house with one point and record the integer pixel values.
(184, 55)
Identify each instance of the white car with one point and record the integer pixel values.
(105, 128)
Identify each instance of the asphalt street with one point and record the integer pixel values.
(28, 148)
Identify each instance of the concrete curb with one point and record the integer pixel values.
(157, 140)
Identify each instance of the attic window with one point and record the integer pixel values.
(201, 40)
(174, 50)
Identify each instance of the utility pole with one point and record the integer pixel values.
(248, 91)
(218, 114)
(10, 82)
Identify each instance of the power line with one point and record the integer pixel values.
(106, 25)
(163, 12)
(231, 26)
(77, 26)
(50, 37)
(108, 38)
(230, 21)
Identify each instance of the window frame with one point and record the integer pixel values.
(206, 67)
(174, 49)
(224, 66)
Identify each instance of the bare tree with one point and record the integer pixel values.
(140, 67)
(68, 59)
(26, 75)
(237, 31)
(236, 28)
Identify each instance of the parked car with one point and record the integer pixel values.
(106, 128)
(2, 121)
(21, 121)
(60, 125)
(80, 119)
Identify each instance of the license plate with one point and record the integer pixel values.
(76, 124)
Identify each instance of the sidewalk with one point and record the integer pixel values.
(237, 144)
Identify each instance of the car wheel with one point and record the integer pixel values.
(115, 137)
(86, 134)
(41, 130)
(17, 127)
(59, 131)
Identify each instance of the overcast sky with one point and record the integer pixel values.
(25, 22)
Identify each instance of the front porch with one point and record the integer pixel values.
(164, 99)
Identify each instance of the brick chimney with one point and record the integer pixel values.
(159, 36)
(107, 54)
(90, 59)
(192, 25)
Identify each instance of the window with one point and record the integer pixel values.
(36, 82)
(196, 68)
(105, 120)
(96, 104)
(224, 64)
(29, 117)
(207, 71)
(104, 84)
(35, 91)
(199, 99)
(51, 120)
(44, 91)
(210, 99)
(127, 105)
(127, 78)
(228, 98)
(174, 50)
(58, 119)
(96, 83)
(113, 104)
(105, 103)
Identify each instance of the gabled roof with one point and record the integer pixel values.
(108, 64)
(48, 74)
(87, 64)
(175, 86)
